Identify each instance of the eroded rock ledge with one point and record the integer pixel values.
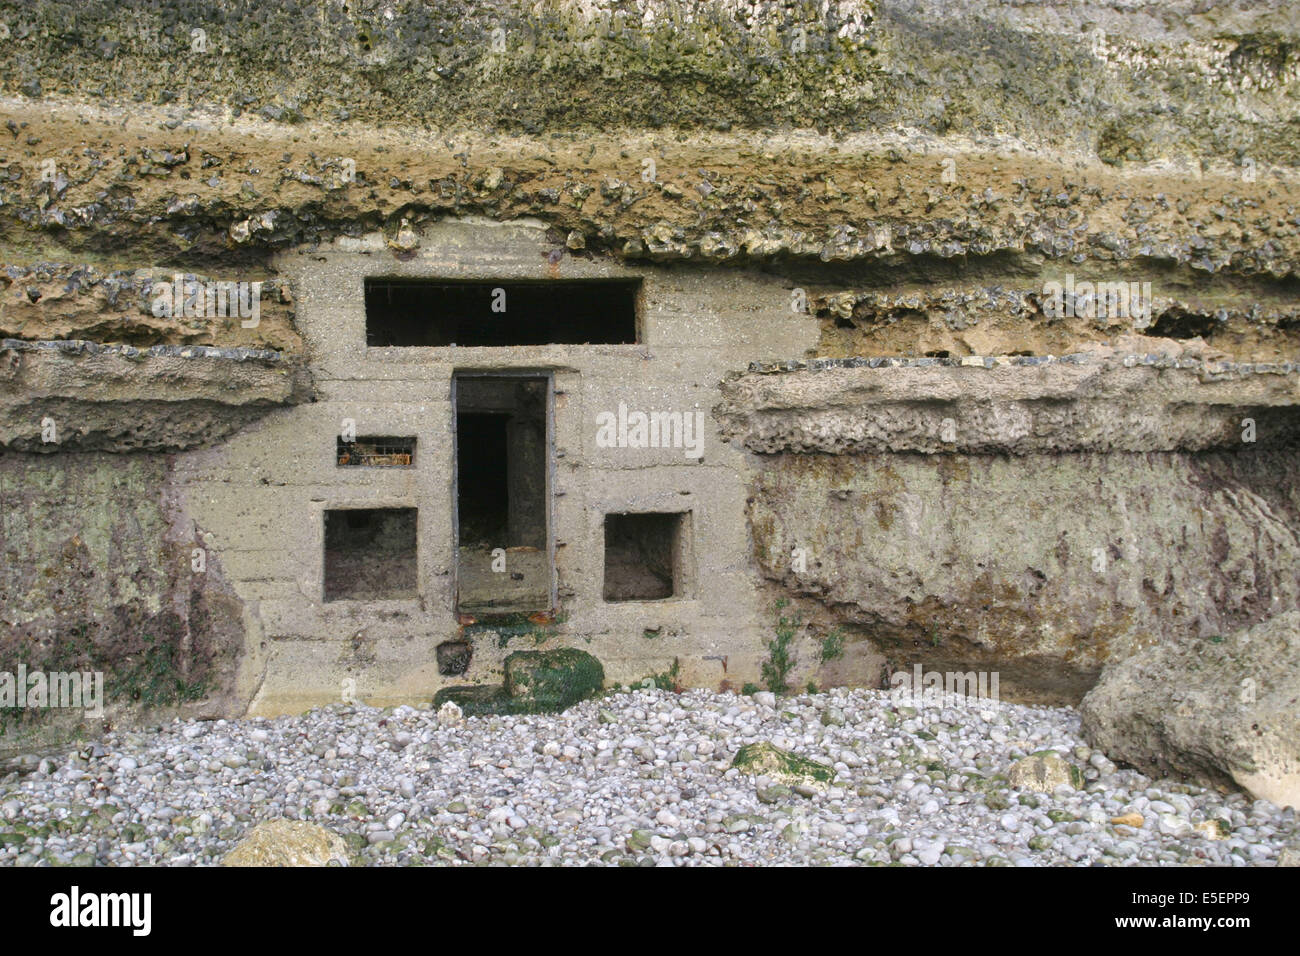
(1016, 405)
(73, 394)
(59, 301)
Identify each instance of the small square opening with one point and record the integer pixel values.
(454, 657)
(644, 556)
(370, 554)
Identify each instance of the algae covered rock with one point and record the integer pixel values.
(288, 843)
(765, 759)
(1215, 830)
(535, 682)
(1043, 772)
(1222, 711)
(553, 680)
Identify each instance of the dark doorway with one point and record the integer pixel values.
(482, 464)
(502, 469)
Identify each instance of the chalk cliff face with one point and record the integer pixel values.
(917, 174)
(1043, 523)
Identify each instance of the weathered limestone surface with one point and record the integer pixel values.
(1043, 567)
(118, 398)
(1223, 710)
(1019, 406)
(1132, 78)
(97, 572)
(876, 150)
(58, 301)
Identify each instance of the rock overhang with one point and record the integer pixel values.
(1015, 405)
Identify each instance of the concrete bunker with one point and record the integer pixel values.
(503, 448)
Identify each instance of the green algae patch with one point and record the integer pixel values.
(550, 681)
(536, 682)
(789, 768)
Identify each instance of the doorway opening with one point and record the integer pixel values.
(503, 465)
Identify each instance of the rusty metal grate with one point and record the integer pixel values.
(376, 452)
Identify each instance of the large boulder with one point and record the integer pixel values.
(764, 759)
(288, 843)
(553, 680)
(1222, 711)
(1043, 772)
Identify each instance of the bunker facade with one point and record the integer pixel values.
(638, 549)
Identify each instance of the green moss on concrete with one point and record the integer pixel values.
(535, 682)
(553, 680)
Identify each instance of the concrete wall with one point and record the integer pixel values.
(261, 495)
